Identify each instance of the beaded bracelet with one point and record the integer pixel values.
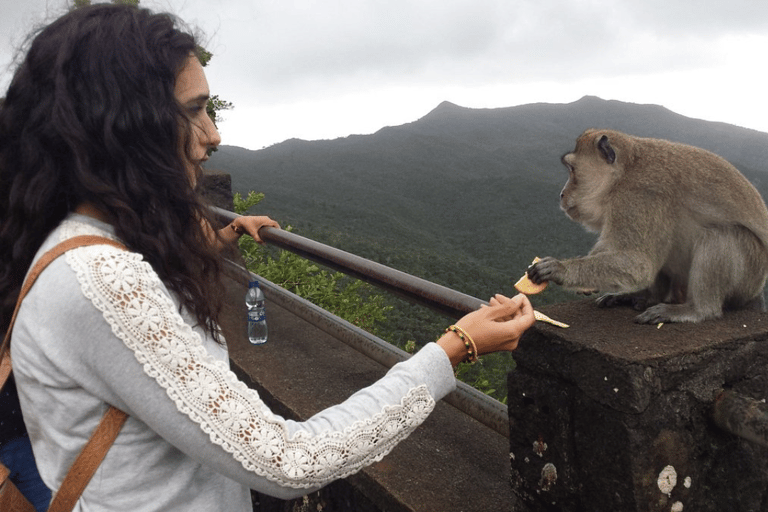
(469, 343)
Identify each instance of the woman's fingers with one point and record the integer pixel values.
(525, 312)
(499, 325)
(253, 223)
(495, 327)
(503, 308)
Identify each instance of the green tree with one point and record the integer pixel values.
(216, 105)
(351, 299)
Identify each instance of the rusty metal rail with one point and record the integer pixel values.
(426, 293)
(472, 402)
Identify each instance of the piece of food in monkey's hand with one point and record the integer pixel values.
(528, 287)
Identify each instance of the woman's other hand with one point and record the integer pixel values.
(251, 224)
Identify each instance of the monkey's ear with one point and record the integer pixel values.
(605, 148)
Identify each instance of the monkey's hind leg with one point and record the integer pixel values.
(638, 301)
(729, 268)
(659, 291)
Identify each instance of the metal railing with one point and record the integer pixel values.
(452, 303)
(421, 291)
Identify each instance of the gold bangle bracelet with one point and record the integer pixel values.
(469, 343)
(474, 347)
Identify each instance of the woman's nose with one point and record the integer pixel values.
(212, 136)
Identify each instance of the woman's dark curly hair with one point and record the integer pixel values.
(90, 117)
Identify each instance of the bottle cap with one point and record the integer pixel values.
(253, 284)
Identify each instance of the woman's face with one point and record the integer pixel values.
(192, 93)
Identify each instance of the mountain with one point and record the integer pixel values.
(463, 197)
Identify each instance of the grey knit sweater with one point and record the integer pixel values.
(99, 328)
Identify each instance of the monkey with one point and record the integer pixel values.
(683, 234)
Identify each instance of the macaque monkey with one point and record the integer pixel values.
(683, 234)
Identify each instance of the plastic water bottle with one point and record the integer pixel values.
(257, 314)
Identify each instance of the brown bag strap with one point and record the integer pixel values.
(106, 432)
(43, 262)
(5, 370)
(88, 461)
(11, 499)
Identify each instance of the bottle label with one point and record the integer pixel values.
(257, 316)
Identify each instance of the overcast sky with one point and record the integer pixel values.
(330, 68)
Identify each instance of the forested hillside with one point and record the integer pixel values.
(463, 197)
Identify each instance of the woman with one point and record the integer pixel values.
(103, 132)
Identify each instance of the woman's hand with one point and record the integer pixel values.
(493, 328)
(251, 224)
(228, 235)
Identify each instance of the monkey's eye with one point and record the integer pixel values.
(571, 174)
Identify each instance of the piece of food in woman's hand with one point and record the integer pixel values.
(528, 287)
(541, 317)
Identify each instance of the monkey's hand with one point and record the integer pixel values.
(547, 269)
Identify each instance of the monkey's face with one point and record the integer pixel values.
(591, 173)
(572, 202)
(568, 202)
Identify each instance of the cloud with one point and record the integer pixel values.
(318, 69)
(704, 19)
(334, 47)
(292, 48)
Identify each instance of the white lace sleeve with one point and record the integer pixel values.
(141, 313)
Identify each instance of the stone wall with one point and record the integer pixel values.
(609, 415)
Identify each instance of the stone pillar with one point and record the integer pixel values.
(216, 187)
(609, 415)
